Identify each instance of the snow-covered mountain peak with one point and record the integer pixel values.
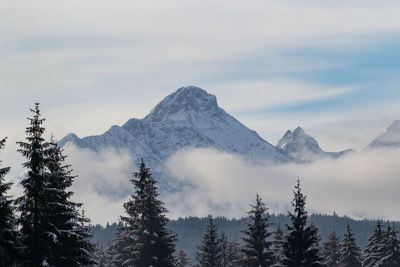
(298, 136)
(298, 141)
(69, 138)
(394, 127)
(185, 101)
(301, 146)
(390, 138)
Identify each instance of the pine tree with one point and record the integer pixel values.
(37, 237)
(278, 243)
(301, 242)
(257, 247)
(149, 242)
(209, 251)
(8, 233)
(182, 259)
(72, 246)
(390, 249)
(372, 249)
(350, 254)
(332, 251)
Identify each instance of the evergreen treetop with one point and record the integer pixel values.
(332, 251)
(36, 235)
(301, 242)
(73, 246)
(257, 246)
(350, 254)
(390, 250)
(150, 242)
(53, 232)
(209, 251)
(372, 250)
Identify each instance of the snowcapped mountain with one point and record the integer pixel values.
(303, 147)
(189, 117)
(389, 139)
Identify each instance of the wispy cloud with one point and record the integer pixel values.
(251, 97)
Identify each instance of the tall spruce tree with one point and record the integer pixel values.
(350, 254)
(72, 246)
(300, 248)
(209, 252)
(36, 236)
(8, 232)
(147, 240)
(331, 251)
(372, 250)
(390, 251)
(256, 249)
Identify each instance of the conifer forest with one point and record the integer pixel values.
(44, 227)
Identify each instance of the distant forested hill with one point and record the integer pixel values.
(190, 230)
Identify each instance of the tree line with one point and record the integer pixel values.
(298, 245)
(44, 227)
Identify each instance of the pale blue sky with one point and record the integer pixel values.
(329, 66)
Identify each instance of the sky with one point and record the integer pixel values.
(331, 67)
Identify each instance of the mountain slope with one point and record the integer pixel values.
(189, 117)
(389, 139)
(303, 147)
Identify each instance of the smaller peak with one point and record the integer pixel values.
(69, 138)
(395, 126)
(389, 138)
(298, 143)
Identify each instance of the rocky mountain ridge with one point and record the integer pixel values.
(189, 117)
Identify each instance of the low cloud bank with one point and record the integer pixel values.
(103, 183)
(360, 185)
